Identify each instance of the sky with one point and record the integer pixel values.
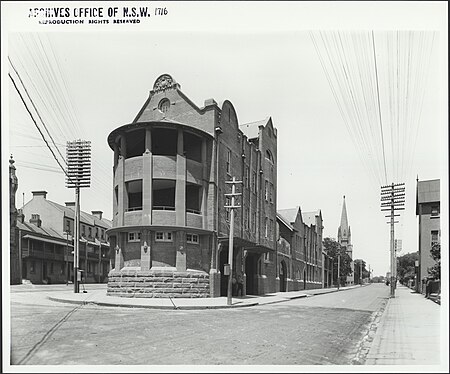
(258, 55)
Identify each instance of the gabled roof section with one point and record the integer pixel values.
(309, 218)
(289, 215)
(251, 130)
(285, 222)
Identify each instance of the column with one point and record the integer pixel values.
(181, 250)
(122, 201)
(180, 187)
(205, 187)
(147, 180)
(145, 250)
(119, 255)
(116, 155)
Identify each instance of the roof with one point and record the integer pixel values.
(290, 215)
(309, 218)
(45, 231)
(251, 129)
(84, 217)
(427, 192)
(285, 222)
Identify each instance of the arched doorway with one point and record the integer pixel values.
(283, 276)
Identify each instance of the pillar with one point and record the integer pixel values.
(122, 198)
(180, 187)
(147, 187)
(205, 185)
(145, 251)
(181, 251)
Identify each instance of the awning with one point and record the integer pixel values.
(38, 238)
(246, 245)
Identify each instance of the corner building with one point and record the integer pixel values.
(170, 225)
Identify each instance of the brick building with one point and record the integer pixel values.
(301, 258)
(428, 211)
(46, 243)
(170, 225)
(345, 240)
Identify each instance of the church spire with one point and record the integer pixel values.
(344, 228)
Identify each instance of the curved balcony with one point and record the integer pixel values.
(194, 219)
(164, 167)
(133, 218)
(163, 217)
(133, 168)
(194, 171)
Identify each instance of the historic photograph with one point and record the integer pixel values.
(224, 186)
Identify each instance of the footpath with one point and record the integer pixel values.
(98, 296)
(409, 332)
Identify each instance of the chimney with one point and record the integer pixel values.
(97, 213)
(39, 194)
(36, 220)
(20, 216)
(70, 204)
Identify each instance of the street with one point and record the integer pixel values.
(325, 329)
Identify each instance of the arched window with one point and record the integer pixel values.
(269, 156)
(164, 105)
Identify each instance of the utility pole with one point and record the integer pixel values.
(393, 199)
(78, 174)
(232, 207)
(339, 270)
(67, 255)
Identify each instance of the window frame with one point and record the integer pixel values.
(228, 163)
(167, 236)
(136, 236)
(191, 239)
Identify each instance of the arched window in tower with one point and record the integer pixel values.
(164, 105)
(269, 156)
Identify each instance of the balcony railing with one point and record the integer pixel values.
(162, 207)
(134, 208)
(195, 211)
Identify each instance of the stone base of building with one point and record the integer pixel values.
(164, 283)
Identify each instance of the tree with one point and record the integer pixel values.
(435, 270)
(333, 248)
(365, 272)
(406, 269)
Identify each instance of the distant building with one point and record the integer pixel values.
(428, 211)
(300, 255)
(345, 240)
(46, 242)
(171, 165)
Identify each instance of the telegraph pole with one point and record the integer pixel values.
(78, 173)
(232, 207)
(339, 271)
(393, 199)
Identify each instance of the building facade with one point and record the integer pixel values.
(45, 242)
(345, 240)
(170, 222)
(428, 212)
(300, 255)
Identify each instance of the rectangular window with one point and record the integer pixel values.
(163, 236)
(83, 230)
(434, 237)
(267, 256)
(266, 190)
(134, 236)
(103, 234)
(227, 210)
(266, 227)
(271, 193)
(67, 226)
(192, 238)
(271, 229)
(90, 232)
(435, 211)
(228, 161)
(254, 182)
(246, 218)
(254, 222)
(96, 232)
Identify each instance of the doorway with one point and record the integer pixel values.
(223, 259)
(251, 272)
(283, 276)
(44, 271)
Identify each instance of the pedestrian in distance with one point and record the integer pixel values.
(240, 285)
